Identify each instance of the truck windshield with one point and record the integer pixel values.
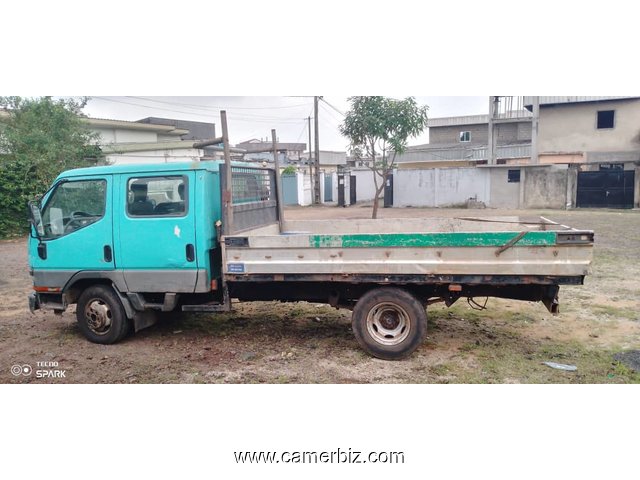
(74, 205)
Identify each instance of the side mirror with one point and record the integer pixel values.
(35, 216)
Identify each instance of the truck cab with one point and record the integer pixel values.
(140, 235)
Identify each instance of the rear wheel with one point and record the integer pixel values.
(101, 317)
(389, 323)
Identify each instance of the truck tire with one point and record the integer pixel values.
(101, 316)
(389, 323)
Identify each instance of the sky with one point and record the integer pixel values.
(254, 117)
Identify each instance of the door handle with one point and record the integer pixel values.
(42, 250)
(191, 253)
(108, 254)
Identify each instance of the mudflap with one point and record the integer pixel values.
(34, 303)
(141, 318)
(550, 299)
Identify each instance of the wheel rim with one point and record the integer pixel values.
(388, 323)
(98, 316)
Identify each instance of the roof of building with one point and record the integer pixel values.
(196, 130)
(127, 125)
(514, 116)
(559, 100)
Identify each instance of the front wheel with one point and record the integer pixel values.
(389, 323)
(101, 316)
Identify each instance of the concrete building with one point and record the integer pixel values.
(135, 142)
(330, 161)
(473, 130)
(589, 130)
(599, 137)
(462, 141)
(195, 130)
(258, 150)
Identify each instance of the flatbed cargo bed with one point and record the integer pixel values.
(472, 250)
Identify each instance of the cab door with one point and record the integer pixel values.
(156, 231)
(78, 231)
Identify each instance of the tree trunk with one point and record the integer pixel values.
(376, 201)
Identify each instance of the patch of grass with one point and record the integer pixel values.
(616, 312)
(524, 361)
(625, 373)
(440, 369)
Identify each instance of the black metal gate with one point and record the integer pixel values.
(605, 189)
(388, 192)
(341, 190)
(352, 190)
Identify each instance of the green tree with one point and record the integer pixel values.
(39, 138)
(378, 128)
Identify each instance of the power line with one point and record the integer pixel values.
(206, 107)
(336, 109)
(239, 117)
(331, 114)
(304, 129)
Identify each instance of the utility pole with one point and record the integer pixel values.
(227, 196)
(276, 164)
(311, 175)
(491, 143)
(535, 158)
(316, 186)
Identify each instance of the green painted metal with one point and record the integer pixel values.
(457, 239)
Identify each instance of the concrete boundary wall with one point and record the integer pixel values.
(440, 187)
(535, 187)
(544, 186)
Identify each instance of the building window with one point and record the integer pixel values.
(606, 118)
(465, 136)
(513, 176)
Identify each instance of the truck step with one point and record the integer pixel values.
(207, 307)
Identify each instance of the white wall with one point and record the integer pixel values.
(440, 187)
(157, 156)
(365, 187)
(116, 135)
(322, 174)
(504, 194)
(457, 185)
(304, 189)
(334, 185)
(414, 188)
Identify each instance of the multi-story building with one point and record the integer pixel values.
(589, 130)
(462, 141)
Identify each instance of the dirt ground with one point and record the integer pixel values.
(308, 343)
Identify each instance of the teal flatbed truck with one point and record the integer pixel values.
(124, 242)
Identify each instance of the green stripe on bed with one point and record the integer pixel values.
(458, 239)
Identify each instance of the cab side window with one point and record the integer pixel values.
(157, 196)
(74, 205)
